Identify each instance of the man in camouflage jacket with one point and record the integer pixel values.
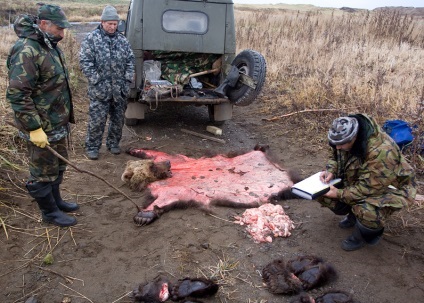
(376, 178)
(106, 59)
(40, 98)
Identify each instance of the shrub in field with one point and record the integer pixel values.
(326, 60)
(363, 62)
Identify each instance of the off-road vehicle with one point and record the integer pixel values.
(185, 52)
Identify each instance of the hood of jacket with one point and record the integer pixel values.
(26, 27)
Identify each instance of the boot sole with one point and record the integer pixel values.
(348, 248)
(60, 225)
(68, 210)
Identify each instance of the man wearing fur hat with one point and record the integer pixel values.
(376, 178)
(106, 59)
(40, 98)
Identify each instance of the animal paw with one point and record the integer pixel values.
(274, 268)
(299, 264)
(283, 283)
(303, 298)
(316, 275)
(335, 297)
(152, 292)
(145, 217)
(197, 288)
(279, 280)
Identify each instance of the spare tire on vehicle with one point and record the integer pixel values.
(252, 64)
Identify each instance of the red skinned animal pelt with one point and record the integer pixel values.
(247, 180)
(196, 287)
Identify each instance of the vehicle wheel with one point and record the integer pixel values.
(211, 113)
(130, 121)
(253, 64)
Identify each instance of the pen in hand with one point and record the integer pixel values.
(326, 173)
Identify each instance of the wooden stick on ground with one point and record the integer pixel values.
(202, 136)
(85, 171)
(76, 292)
(91, 174)
(68, 279)
(303, 111)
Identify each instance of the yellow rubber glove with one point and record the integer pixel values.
(39, 137)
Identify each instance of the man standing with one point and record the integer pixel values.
(40, 97)
(106, 59)
(377, 180)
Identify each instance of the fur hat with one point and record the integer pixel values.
(343, 130)
(109, 14)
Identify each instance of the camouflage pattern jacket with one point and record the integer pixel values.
(38, 90)
(108, 63)
(369, 168)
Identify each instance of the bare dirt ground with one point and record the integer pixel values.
(106, 255)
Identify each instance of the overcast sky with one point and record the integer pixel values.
(368, 4)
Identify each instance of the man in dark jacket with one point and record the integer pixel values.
(377, 180)
(106, 59)
(40, 98)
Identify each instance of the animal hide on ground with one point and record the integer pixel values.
(245, 181)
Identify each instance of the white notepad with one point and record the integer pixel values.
(312, 187)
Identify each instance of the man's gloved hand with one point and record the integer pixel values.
(39, 137)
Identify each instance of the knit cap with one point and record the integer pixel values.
(343, 130)
(110, 14)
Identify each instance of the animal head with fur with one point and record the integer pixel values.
(138, 174)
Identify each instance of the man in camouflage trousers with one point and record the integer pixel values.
(40, 98)
(376, 178)
(106, 59)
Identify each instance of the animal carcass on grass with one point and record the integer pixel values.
(244, 181)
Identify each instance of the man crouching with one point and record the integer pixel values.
(376, 178)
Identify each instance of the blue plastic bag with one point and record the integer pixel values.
(399, 131)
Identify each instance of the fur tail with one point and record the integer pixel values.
(285, 194)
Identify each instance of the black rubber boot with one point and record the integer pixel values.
(348, 221)
(229, 81)
(42, 193)
(63, 205)
(361, 236)
(371, 236)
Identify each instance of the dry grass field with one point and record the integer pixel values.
(321, 63)
(318, 60)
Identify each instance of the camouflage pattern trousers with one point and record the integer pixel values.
(43, 165)
(368, 214)
(98, 113)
